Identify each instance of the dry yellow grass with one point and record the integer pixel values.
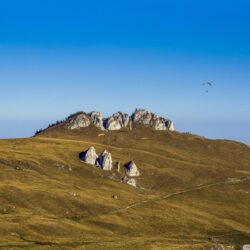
(185, 198)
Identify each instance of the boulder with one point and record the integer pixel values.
(79, 120)
(131, 182)
(131, 169)
(97, 119)
(105, 160)
(117, 121)
(89, 156)
(115, 197)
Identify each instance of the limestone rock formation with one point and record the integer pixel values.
(105, 160)
(117, 121)
(89, 156)
(97, 119)
(131, 169)
(79, 120)
(142, 116)
(171, 126)
(150, 119)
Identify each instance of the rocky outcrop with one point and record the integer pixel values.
(171, 126)
(79, 120)
(117, 121)
(131, 169)
(152, 120)
(142, 116)
(104, 160)
(97, 119)
(89, 156)
(83, 120)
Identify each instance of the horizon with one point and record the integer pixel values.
(57, 59)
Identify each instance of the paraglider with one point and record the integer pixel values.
(207, 85)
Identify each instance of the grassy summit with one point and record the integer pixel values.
(193, 193)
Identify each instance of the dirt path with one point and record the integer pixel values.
(201, 187)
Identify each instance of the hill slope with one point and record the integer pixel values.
(193, 193)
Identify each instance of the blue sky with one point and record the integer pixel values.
(58, 57)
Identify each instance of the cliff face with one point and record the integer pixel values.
(118, 120)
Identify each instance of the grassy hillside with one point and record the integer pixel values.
(193, 193)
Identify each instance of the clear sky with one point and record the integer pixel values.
(58, 57)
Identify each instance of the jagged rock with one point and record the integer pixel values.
(117, 121)
(152, 120)
(83, 120)
(142, 116)
(105, 160)
(131, 169)
(170, 126)
(89, 156)
(96, 119)
(79, 120)
(131, 182)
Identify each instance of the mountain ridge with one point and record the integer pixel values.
(116, 121)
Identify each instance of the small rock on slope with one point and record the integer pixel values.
(131, 182)
(131, 169)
